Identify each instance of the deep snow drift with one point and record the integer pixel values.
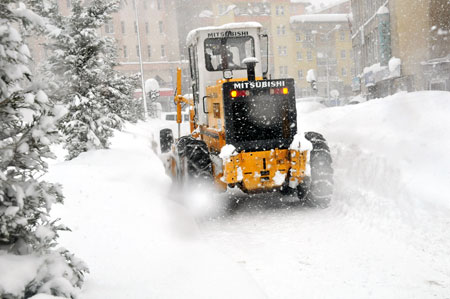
(385, 234)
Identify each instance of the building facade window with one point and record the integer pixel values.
(125, 54)
(308, 36)
(147, 28)
(135, 27)
(299, 55)
(69, 3)
(283, 71)
(282, 50)
(149, 51)
(298, 37)
(279, 10)
(158, 4)
(281, 30)
(163, 51)
(343, 54)
(309, 55)
(137, 51)
(342, 35)
(344, 72)
(300, 74)
(160, 24)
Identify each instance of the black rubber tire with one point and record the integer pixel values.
(321, 187)
(194, 155)
(285, 190)
(303, 189)
(165, 140)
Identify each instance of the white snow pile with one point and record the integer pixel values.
(279, 178)
(250, 60)
(227, 152)
(45, 274)
(406, 138)
(319, 18)
(136, 242)
(309, 106)
(394, 64)
(311, 76)
(206, 14)
(230, 26)
(392, 166)
(382, 10)
(151, 85)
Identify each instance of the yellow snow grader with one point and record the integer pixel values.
(243, 124)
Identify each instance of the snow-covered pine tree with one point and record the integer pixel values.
(27, 128)
(82, 66)
(120, 87)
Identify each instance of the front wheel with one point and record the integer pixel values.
(195, 164)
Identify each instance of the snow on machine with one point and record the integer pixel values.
(244, 125)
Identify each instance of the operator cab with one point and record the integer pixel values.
(234, 101)
(218, 53)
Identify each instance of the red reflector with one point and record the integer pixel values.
(239, 93)
(283, 90)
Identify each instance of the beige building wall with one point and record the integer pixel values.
(159, 39)
(410, 36)
(344, 55)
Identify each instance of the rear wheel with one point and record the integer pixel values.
(195, 162)
(321, 187)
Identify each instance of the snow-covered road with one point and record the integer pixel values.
(383, 236)
(341, 252)
(386, 234)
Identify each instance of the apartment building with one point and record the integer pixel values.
(324, 45)
(275, 17)
(401, 45)
(296, 47)
(159, 38)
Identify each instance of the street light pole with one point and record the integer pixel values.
(337, 27)
(328, 77)
(144, 98)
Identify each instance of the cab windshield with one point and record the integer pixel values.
(228, 52)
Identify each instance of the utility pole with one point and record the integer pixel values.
(144, 97)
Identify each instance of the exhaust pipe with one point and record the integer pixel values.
(250, 62)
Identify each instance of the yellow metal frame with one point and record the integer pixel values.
(255, 171)
(179, 99)
(252, 171)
